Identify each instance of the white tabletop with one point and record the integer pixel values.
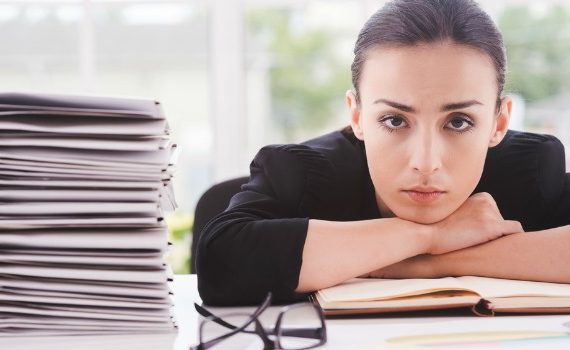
(458, 332)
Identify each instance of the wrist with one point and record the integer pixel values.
(426, 235)
(422, 235)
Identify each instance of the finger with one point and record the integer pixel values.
(486, 198)
(512, 226)
(494, 205)
(497, 211)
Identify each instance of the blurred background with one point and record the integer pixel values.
(234, 75)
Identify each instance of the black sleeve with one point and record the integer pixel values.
(554, 184)
(561, 211)
(526, 174)
(256, 245)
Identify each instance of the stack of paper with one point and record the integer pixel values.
(84, 182)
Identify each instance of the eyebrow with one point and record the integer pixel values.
(444, 108)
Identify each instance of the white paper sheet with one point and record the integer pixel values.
(119, 168)
(84, 183)
(140, 276)
(155, 262)
(166, 301)
(147, 290)
(69, 209)
(154, 238)
(80, 103)
(95, 126)
(95, 195)
(147, 315)
(44, 299)
(110, 252)
(158, 158)
(58, 176)
(116, 144)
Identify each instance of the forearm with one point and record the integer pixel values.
(337, 251)
(537, 256)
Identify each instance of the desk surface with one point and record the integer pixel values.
(458, 332)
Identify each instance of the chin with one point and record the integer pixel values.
(425, 216)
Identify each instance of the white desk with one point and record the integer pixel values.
(367, 333)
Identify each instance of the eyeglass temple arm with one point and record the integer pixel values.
(290, 332)
(202, 311)
(314, 333)
(215, 318)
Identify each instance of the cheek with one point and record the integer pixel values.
(465, 158)
(387, 159)
(465, 170)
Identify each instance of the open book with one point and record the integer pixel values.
(484, 296)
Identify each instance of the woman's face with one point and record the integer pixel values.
(427, 116)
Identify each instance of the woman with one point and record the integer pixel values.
(426, 182)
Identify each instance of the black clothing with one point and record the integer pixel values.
(256, 245)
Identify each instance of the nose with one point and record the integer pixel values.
(426, 153)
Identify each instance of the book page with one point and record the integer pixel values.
(439, 300)
(367, 289)
(501, 288)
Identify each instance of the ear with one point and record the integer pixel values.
(502, 121)
(354, 110)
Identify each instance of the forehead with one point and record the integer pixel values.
(427, 72)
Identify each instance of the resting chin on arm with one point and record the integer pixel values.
(333, 254)
(535, 256)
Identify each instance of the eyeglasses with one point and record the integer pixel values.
(286, 335)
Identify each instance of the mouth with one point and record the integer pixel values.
(424, 195)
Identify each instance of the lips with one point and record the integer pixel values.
(424, 195)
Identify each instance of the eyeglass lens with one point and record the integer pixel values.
(300, 327)
(242, 340)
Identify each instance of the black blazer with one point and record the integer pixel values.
(256, 245)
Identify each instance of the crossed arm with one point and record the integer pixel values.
(474, 240)
(537, 256)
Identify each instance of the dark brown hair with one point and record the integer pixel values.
(411, 22)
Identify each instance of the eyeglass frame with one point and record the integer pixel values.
(264, 333)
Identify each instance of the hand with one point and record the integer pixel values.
(477, 221)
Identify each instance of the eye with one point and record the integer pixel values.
(460, 124)
(393, 122)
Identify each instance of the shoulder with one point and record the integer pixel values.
(525, 173)
(336, 149)
(317, 174)
(331, 146)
